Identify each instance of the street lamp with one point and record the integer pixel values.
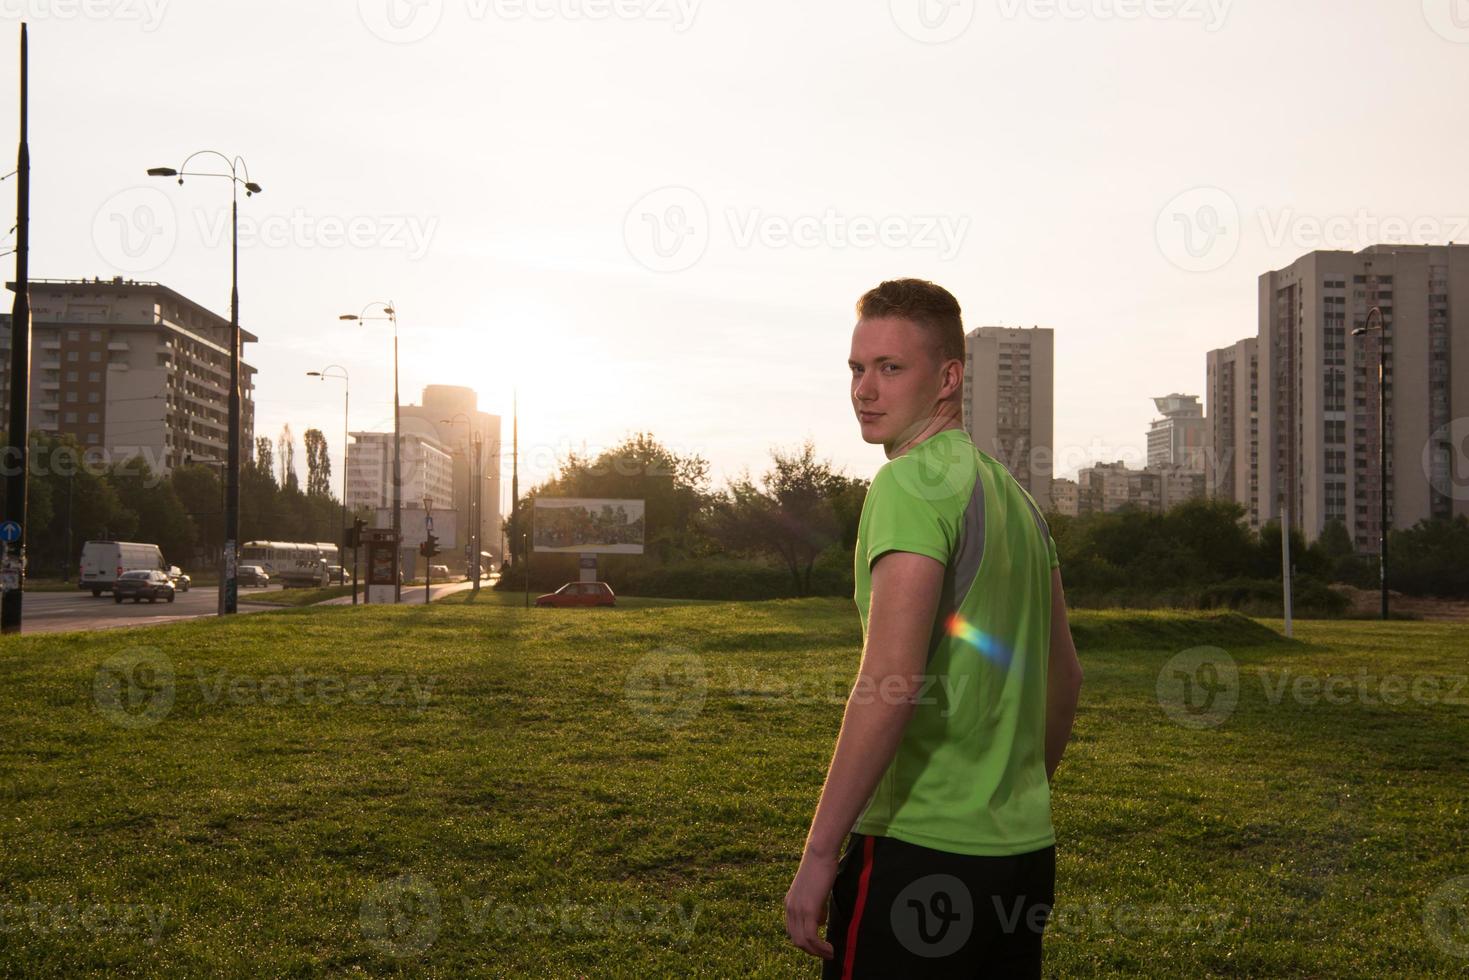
(476, 475)
(390, 312)
(1381, 446)
(346, 400)
(228, 583)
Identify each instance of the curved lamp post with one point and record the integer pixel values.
(1381, 446)
(228, 583)
(390, 312)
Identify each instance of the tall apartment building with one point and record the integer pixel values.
(427, 471)
(133, 369)
(1318, 389)
(1232, 405)
(450, 415)
(1178, 438)
(1008, 394)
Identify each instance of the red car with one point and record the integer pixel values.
(579, 594)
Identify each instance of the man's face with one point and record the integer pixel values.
(897, 380)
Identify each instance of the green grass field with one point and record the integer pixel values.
(478, 789)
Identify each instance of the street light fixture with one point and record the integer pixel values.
(346, 401)
(390, 312)
(228, 581)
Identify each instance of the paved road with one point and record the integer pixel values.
(51, 612)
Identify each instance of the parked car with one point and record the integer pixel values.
(440, 572)
(179, 578)
(579, 594)
(337, 574)
(103, 562)
(140, 584)
(248, 575)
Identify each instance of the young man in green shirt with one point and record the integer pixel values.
(966, 692)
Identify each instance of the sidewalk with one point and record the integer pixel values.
(413, 593)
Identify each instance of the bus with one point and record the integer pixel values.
(292, 562)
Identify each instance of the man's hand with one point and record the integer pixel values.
(806, 903)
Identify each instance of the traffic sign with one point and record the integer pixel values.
(9, 532)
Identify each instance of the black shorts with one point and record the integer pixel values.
(901, 910)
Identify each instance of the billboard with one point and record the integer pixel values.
(587, 524)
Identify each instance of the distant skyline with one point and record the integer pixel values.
(656, 215)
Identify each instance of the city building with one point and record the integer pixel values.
(450, 414)
(1232, 413)
(1064, 497)
(1318, 389)
(1178, 438)
(133, 369)
(1008, 395)
(1109, 487)
(426, 471)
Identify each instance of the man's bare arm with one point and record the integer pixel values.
(1063, 679)
(900, 622)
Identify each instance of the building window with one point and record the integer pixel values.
(73, 335)
(93, 397)
(71, 355)
(71, 375)
(71, 396)
(96, 335)
(93, 438)
(71, 416)
(94, 356)
(94, 375)
(92, 418)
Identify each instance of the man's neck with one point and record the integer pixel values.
(931, 427)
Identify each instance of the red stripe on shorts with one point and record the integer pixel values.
(851, 952)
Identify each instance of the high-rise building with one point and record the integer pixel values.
(131, 369)
(1232, 452)
(1318, 390)
(1008, 394)
(426, 471)
(1177, 439)
(450, 414)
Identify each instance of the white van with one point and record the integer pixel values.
(104, 561)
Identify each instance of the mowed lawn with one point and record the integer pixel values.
(480, 789)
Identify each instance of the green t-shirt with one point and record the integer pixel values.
(970, 773)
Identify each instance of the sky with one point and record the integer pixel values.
(656, 215)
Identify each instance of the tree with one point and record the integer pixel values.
(318, 465)
(801, 508)
(286, 453)
(264, 457)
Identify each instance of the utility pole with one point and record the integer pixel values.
(12, 563)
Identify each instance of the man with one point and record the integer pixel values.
(966, 692)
